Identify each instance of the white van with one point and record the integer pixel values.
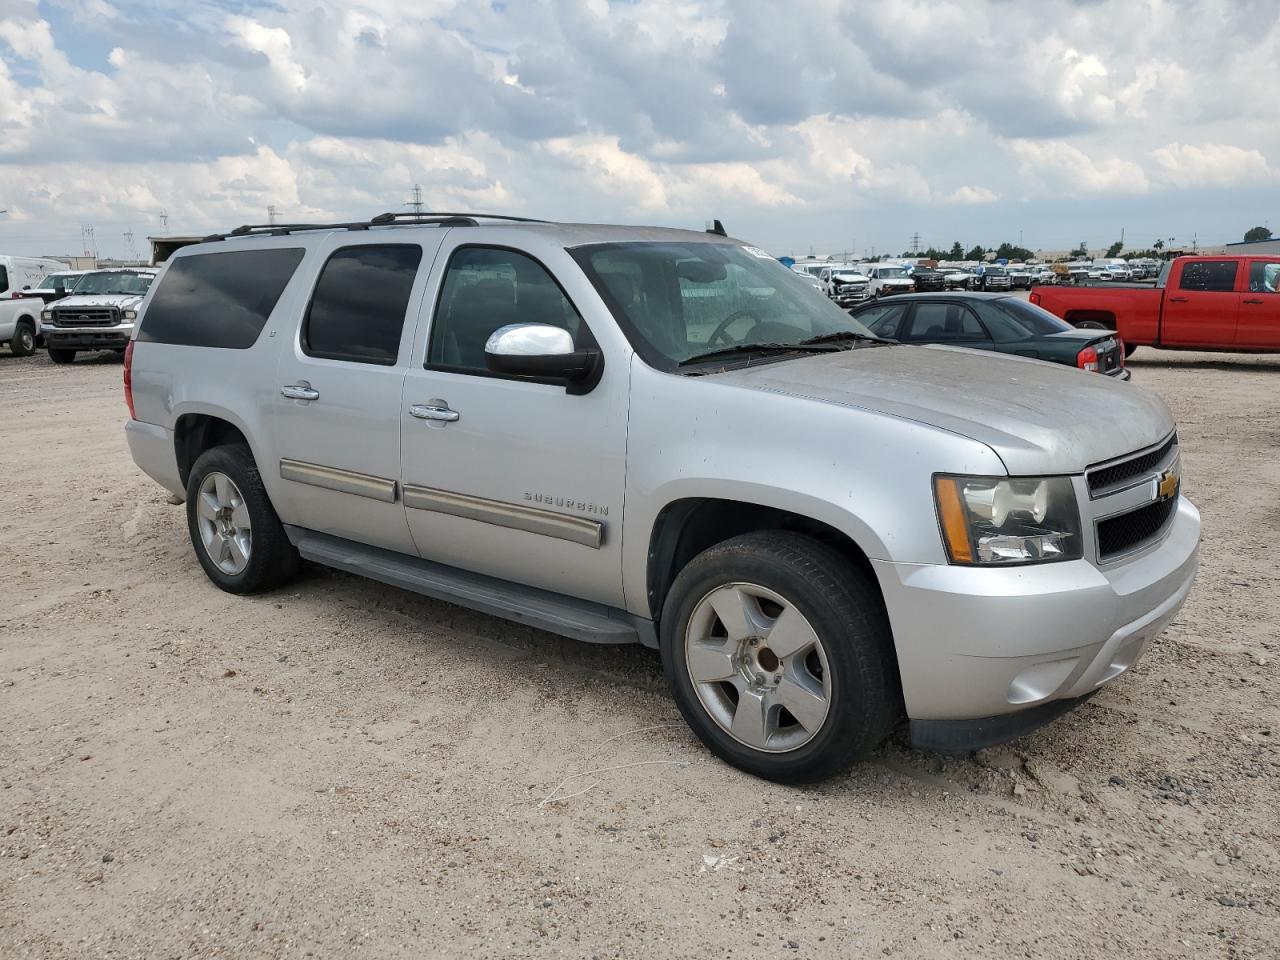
(20, 273)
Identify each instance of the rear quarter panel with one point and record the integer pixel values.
(1134, 311)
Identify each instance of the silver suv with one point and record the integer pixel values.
(626, 434)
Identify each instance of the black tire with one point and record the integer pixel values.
(273, 561)
(846, 612)
(62, 356)
(23, 342)
(1128, 350)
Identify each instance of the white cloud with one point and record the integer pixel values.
(968, 195)
(1064, 169)
(1211, 165)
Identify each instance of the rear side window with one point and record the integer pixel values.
(357, 310)
(218, 299)
(944, 323)
(1210, 275)
(4, 279)
(1264, 277)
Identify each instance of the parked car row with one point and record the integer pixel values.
(70, 311)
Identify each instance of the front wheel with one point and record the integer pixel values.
(780, 658)
(238, 537)
(61, 356)
(23, 343)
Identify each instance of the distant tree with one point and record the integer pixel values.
(1253, 234)
(1115, 248)
(1008, 251)
(1158, 245)
(977, 253)
(1081, 251)
(957, 251)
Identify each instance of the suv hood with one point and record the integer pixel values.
(1039, 418)
(121, 300)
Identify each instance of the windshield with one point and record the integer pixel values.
(995, 271)
(131, 284)
(677, 300)
(891, 273)
(1009, 318)
(60, 281)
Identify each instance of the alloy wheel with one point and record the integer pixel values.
(223, 519)
(758, 667)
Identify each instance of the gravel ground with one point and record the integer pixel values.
(346, 770)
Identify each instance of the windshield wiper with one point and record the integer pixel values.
(843, 335)
(802, 347)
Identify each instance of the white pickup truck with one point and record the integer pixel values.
(20, 324)
(99, 315)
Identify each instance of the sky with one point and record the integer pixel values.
(814, 125)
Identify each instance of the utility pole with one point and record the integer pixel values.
(416, 202)
(271, 215)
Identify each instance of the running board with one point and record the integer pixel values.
(567, 616)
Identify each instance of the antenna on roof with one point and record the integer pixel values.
(717, 228)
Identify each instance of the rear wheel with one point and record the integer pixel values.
(1129, 348)
(237, 536)
(61, 356)
(23, 343)
(779, 656)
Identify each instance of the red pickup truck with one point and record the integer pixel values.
(1199, 303)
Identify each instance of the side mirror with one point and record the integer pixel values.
(543, 352)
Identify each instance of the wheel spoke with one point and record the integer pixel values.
(804, 700)
(224, 550)
(738, 611)
(206, 506)
(223, 487)
(709, 662)
(237, 551)
(751, 718)
(240, 516)
(790, 634)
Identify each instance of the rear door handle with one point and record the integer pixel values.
(1253, 301)
(299, 391)
(1178, 299)
(434, 410)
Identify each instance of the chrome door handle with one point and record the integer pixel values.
(434, 410)
(299, 391)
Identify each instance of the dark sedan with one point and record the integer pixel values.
(994, 321)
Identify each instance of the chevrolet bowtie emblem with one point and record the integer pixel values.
(1168, 485)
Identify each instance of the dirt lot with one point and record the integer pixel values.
(343, 769)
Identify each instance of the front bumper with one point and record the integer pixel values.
(976, 643)
(846, 299)
(87, 338)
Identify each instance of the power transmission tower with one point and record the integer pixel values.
(416, 202)
(164, 223)
(129, 247)
(87, 241)
(271, 215)
(915, 242)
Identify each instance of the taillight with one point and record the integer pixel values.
(1086, 359)
(1035, 298)
(128, 378)
(1120, 351)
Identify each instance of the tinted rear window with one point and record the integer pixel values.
(1211, 275)
(218, 299)
(357, 311)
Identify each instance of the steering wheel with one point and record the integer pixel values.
(720, 331)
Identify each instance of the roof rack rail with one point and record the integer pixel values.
(381, 220)
(434, 217)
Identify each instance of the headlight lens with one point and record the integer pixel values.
(46, 314)
(131, 314)
(1000, 521)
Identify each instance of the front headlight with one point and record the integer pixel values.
(1008, 520)
(46, 314)
(131, 314)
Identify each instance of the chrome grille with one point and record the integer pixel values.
(1116, 474)
(1119, 535)
(86, 317)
